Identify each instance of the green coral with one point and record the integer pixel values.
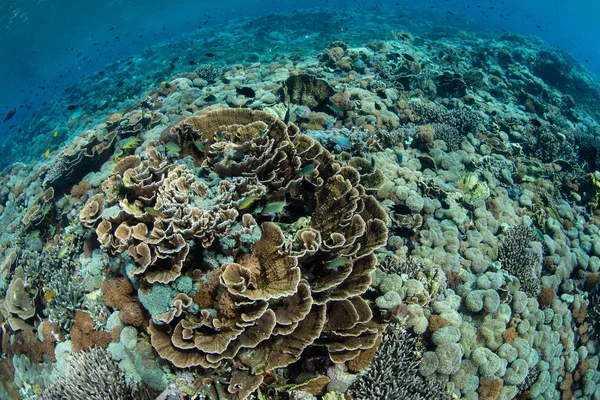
(138, 363)
(159, 300)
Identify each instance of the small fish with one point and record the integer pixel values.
(63, 252)
(307, 170)
(163, 83)
(192, 62)
(220, 135)
(210, 98)
(172, 147)
(200, 146)
(247, 202)
(10, 114)
(47, 153)
(154, 212)
(274, 208)
(298, 111)
(341, 141)
(358, 64)
(336, 263)
(262, 133)
(354, 123)
(130, 143)
(401, 209)
(536, 122)
(402, 231)
(49, 295)
(71, 107)
(330, 124)
(55, 133)
(335, 109)
(210, 54)
(32, 235)
(246, 91)
(399, 157)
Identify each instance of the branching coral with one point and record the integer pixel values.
(393, 374)
(522, 254)
(90, 375)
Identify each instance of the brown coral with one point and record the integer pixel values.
(80, 189)
(84, 336)
(27, 342)
(281, 291)
(546, 297)
(489, 388)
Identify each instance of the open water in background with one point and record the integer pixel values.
(47, 46)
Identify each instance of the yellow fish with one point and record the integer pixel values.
(55, 133)
(163, 83)
(49, 295)
(154, 212)
(247, 202)
(47, 153)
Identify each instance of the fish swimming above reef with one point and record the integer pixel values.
(247, 202)
(10, 114)
(274, 208)
(307, 170)
(172, 147)
(341, 141)
(246, 91)
(336, 263)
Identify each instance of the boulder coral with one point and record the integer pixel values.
(296, 284)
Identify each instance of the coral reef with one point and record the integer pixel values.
(393, 373)
(412, 217)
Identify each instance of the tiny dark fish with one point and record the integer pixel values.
(10, 114)
(120, 83)
(536, 122)
(71, 107)
(225, 81)
(111, 28)
(402, 231)
(210, 98)
(401, 209)
(192, 62)
(381, 94)
(245, 91)
(210, 54)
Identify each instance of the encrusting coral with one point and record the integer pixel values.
(290, 287)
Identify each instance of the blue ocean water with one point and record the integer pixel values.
(48, 46)
(337, 200)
